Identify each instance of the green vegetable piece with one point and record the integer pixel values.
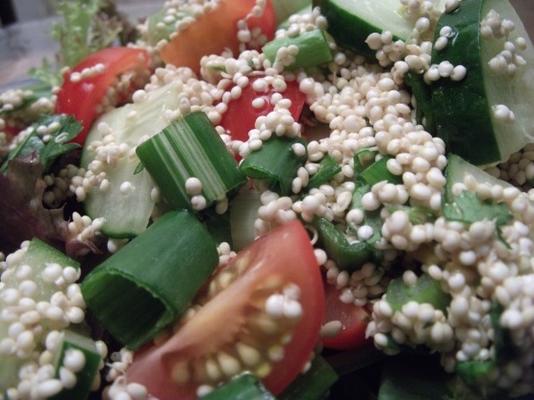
(327, 170)
(275, 162)
(313, 49)
(84, 378)
(426, 290)
(81, 31)
(190, 147)
(468, 208)
(371, 218)
(283, 9)
(363, 159)
(37, 256)
(47, 152)
(423, 100)
(151, 281)
(243, 387)
(218, 225)
(474, 373)
(314, 384)
(348, 256)
(378, 172)
(414, 378)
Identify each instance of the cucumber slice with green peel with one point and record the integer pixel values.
(462, 111)
(36, 256)
(86, 375)
(350, 22)
(458, 169)
(128, 214)
(283, 9)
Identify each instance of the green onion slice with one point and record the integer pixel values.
(314, 384)
(313, 49)
(378, 172)
(190, 147)
(327, 170)
(276, 163)
(151, 281)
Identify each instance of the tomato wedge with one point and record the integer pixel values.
(241, 116)
(81, 99)
(235, 327)
(353, 319)
(214, 31)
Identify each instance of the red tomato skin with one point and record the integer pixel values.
(240, 117)
(353, 318)
(81, 99)
(289, 244)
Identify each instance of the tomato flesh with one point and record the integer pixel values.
(232, 326)
(241, 116)
(81, 99)
(353, 319)
(215, 31)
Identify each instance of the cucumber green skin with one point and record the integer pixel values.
(243, 387)
(461, 113)
(423, 100)
(348, 30)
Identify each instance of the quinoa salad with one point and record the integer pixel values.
(271, 199)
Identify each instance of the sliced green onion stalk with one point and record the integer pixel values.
(364, 158)
(327, 170)
(378, 172)
(243, 387)
(151, 281)
(276, 163)
(243, 213)
(314, 384)
(313, 49)
(86, 375)
(347, 256)
(426, 290)
(190, 147)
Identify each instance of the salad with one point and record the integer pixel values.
(271, 199)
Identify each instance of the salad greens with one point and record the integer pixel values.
(263, 199)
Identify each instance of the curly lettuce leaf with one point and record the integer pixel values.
(83, 30)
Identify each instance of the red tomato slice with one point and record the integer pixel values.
(81, 99)
(353, 318)
(232, 331)
(215, 31)
(241, 117)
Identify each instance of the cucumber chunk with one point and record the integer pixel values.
(37, 255)
(128, 214)
(351, 21)
(84, 377)
(463, 111)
